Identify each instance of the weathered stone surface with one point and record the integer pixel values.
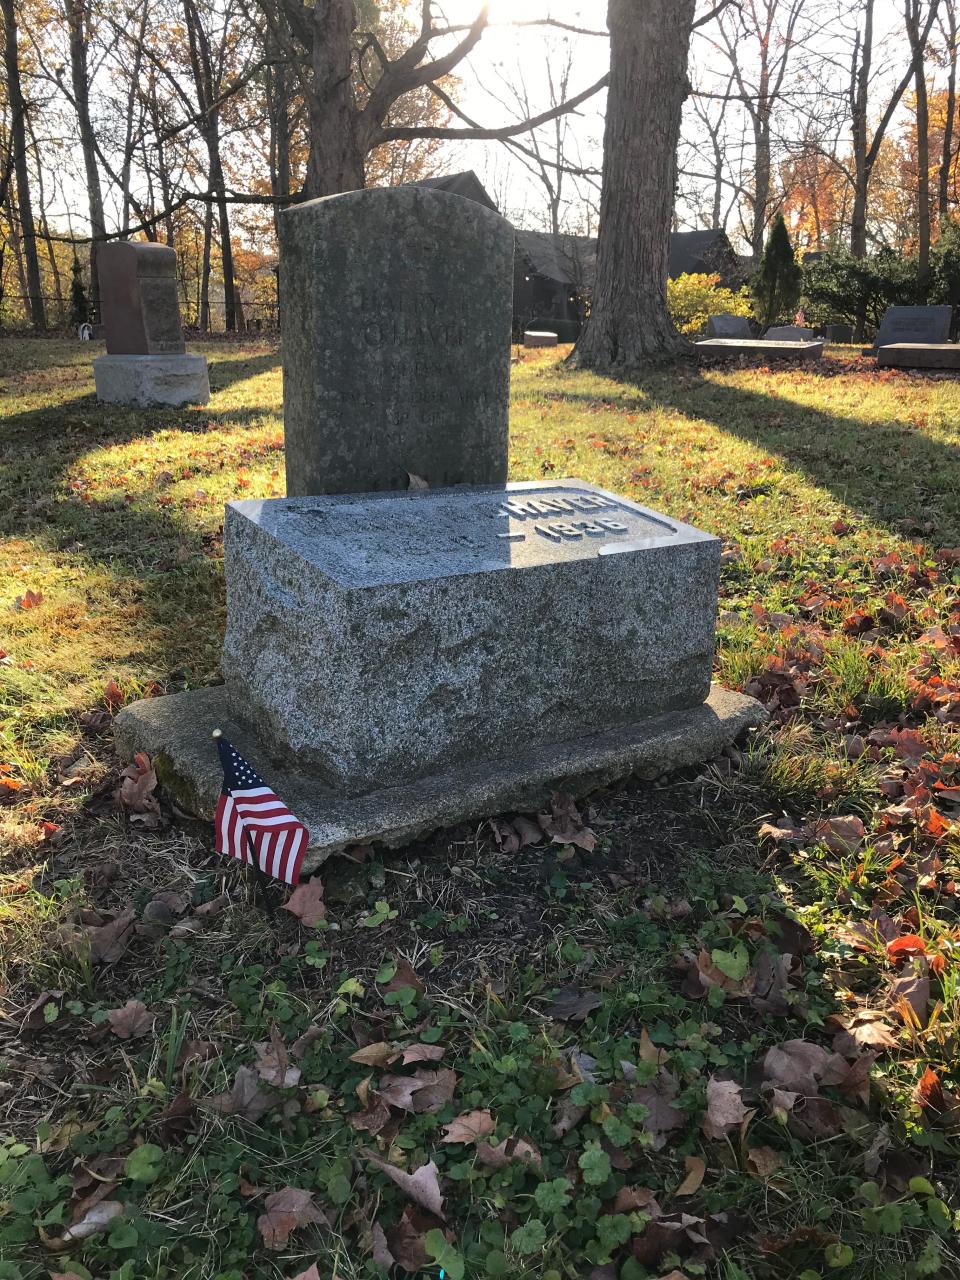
(397, 315)
(919, 355)
(540, 338)
(912, 325)
(789, 333)
(730, 348)
(380, 638)
(139, 299)
(152, 380)
(727, 326)
(176, 732)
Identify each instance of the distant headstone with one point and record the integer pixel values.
(789, 333)
(914, 325)
(758, 349)
(397, 313)
(728, 326)
(146, 361)
(540, 338)
(839, 333)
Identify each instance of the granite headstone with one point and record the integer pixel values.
(728, 326)
(146, 361)
(789, 333)
(397, 315)
(914, 325)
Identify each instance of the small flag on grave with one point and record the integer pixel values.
(252, 822)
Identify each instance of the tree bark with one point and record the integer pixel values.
(18, 110)
(78, 22)
(946, 158)
(912, 16)
(629, 324)
(336, 159)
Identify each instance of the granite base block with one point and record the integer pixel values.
(176, 732)
(731, 348)
(152, 380)
(535, 338)
(919, 355)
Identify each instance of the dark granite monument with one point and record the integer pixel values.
(397, 315)
(912, 325)
(146, 361)
(728, 326)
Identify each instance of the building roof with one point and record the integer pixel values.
(566, 259)
(465, 184)
(688, 250)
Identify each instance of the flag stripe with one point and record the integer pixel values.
(250, 812)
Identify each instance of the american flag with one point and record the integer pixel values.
(248, 812)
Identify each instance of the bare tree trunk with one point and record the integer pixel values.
(128, 139)
(912, 19)
(14, 241)
(629, 323)
(946, 159)
(204, 313)
(78, 23)
(336, 159)
(46, 236)
(18, 111)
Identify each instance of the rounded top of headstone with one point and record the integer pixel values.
(427, 202)
(143, 256)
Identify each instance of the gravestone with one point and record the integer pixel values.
(728, 326)
(540, 338)
(789, 333)
(146, 361)
(912, 325)
(397, 316)
(839, 333)
(758, 348)
(397, 662)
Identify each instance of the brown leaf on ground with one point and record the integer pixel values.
(911, 944)
(530, 832)
(422, 1186)
(421, 1053)
(108, 942)
(301, 1046)
(471, 1126)
(91, 1224)
(569, 1115)
(663, 1116)
(629, 1199)
(508, 841)
(435, 1095)
(725, 1109)
(379, 1054)
(406, 976)
(208, 910)
(245, 1099)
(783, 831)
(273, 1062)
(306, 902)
(311, 1273)
(913, 987)
(195, 1051)
(814, 1118)
(648, 1052)
(780, 1101)
(375, 1115)
(772, 975)
(287, 1210)
(711, 976)
(865, 1029)
(564, 825)
(404, 1092)
(33, 1017)
(381, 1254)
(406, 1238)
(796, 1066)
(840, 835)
(131, 1020)
(176, 1120)
(696, 1168)
(763, 1162)
(572, 1005)
(510, 1149)
(138, 782)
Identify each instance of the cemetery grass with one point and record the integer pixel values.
(606, 1005)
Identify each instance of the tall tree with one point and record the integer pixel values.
(18, 132)
(78, 15)
(913, 21)
(325, 42)
(629, 323)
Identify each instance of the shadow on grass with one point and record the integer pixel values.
(887, 469)
(224, 373)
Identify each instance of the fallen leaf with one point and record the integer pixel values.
(138, 782)
(273, 1062)
(510, 1149)
(662, 1116)
(471, 1126)
(629, 1199)
(285, 1211)
(29, 600)
(245, 1099)
(907, 946)
(34, 1017)
(648, 1052)
(207, 910)
(867, 1028)
(381, 1254)
(131, 1020)
(564, 826)
(508, 841)
(422, 1186)
(406, 1238)
(530, 832)
(422, 1053)
(435, 1095)
(913, 987)
(91, 1224)
(840, 835)
(796, 1065)
(405, 976)
(306, 902)
(725, 1109)
(311, 1273)
(763, 1162)
(379, 1054)
(696, 1172)
(572, 1005)
(416, 482)
(108, 942)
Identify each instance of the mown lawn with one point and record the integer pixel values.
(702, 1029)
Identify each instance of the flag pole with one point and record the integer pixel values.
(261, 879)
